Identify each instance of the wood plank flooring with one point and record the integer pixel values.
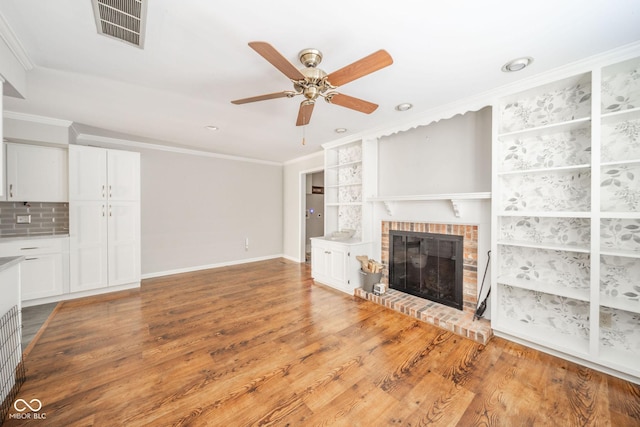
(261, 344)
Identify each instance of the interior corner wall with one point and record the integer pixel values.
(293, 193)
(197, 211)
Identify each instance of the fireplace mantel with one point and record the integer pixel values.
(454, 198)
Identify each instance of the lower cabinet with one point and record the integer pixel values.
(105, 244)
(44, 271)
(334, 263)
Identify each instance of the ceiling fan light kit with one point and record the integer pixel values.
(313, 82)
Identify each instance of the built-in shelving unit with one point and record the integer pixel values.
(566, 226)
(343, 188)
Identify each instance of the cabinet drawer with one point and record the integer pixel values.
(28, 247)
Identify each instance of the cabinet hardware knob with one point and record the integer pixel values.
(24, 249)
(103, 191)
(30, 259)
(110, 193)
(11, 190)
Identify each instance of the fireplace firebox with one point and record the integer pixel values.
(427, 265)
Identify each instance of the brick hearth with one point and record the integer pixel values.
(457, 321)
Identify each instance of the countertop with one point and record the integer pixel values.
(10, 261)
(33, 236)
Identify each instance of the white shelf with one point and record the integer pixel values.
(547, 246)
(343, 185)
(624, 361)
(344, 204)
(549, 129)
(344, 165)
(545, 170)
(619, 252)
(547, 288)
(621, 162)
(548, 214)
(620, 303)
(546, 337)
(630, 114)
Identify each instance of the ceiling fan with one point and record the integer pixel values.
(312, 82)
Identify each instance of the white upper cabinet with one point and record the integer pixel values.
(36, 173)
(103, 174)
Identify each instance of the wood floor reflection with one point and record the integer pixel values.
(261, 344)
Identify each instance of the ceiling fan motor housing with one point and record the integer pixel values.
(310, 58)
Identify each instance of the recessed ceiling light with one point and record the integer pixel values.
(517, 64)
(340, 130)
(404, 106)
(212, 127)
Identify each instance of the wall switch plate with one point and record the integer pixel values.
(23, 219)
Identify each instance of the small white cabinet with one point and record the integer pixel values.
(36, 173)
(104, 217)
(334, 262)
(44, 270)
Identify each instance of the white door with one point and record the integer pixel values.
(87, 173)
(123, 171)
(339, 265)
(88, 245)
(124, 242)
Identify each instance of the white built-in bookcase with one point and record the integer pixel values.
(566, 207)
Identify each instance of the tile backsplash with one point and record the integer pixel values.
(47, 219)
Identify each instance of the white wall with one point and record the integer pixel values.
(197, 211)
(449, 156)
(294, 190)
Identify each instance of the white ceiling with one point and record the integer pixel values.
(196, 60)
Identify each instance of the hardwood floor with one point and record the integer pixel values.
(260, 344)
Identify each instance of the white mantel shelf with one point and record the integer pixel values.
(453, 198)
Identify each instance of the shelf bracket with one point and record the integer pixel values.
(388, 206)
(456, 207)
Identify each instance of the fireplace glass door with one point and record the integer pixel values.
(427, 265)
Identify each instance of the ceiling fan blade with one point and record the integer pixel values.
(360, 68)
(276, 59)
(352, 102)
(283, 94)
(304, 113)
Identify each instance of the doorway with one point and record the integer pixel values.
(313, 210)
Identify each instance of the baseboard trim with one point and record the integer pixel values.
(209, 266)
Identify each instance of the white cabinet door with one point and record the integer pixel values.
(36, 173)
(87, 173)
(88, 245)
(338, 266)
(123, 172)
(124, 242)
(41, 276)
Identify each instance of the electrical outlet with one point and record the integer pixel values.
(23, 219)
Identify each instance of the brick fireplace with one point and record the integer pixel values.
(457, 321)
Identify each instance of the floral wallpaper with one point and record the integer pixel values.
(552, 191)
(558, 149)
(554, 313)
(621, 140)
(623, 234)
(620, 188)
(350, 194)
(623, 332)
(621, 87)
(542, 230)
(349, 217)
(564, 269)
(351, 174)
(619, 278)
(349, 154)
(553, 106)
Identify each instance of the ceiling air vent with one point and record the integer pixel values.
(121, 19)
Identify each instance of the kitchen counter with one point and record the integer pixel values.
(32, 236)
(10, 261)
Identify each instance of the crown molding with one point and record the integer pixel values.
(10, 38)
(88, 139)
(36, 119)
